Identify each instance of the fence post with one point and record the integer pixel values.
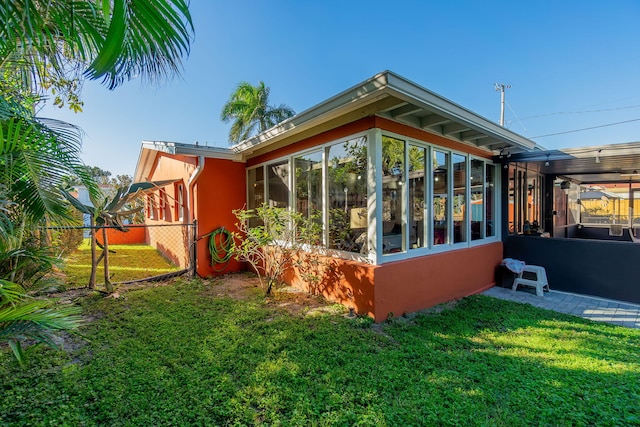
(194, 248)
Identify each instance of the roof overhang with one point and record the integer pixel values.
(394, 97)
(150, 150)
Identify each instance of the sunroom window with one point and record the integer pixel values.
(417, 197)
(278, 184)
(440, 198)
(426, 197)
(347, 195)
(459, 198)
(477, 199)
(308, 185)
(393, 195)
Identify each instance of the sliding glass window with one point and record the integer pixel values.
(417, 197)
(490, 198)
(440, 197)
(477, 199)
(347, 195)
(393, 199)
(308, 183)
(459, 198)
(278, 184)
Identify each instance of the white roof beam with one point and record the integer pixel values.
(405, 110)
(472, 135)
(451, 128)
(433, 120)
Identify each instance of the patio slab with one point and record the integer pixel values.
(592, 308)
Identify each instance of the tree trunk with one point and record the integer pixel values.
(94, 261)
(107, 280)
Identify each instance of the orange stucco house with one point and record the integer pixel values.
(403, 179)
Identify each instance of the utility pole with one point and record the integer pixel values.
(501, 88)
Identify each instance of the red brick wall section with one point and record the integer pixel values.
(135, 236)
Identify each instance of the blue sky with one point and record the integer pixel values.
(571, 65)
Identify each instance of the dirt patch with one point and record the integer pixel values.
(238, 286)
(298, 302)
(290, 299)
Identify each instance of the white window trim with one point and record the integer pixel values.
(374, 193)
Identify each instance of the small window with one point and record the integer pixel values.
(180, 208)
(151, 207)
(163, 205)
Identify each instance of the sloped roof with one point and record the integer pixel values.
(387, 95)
(391, 96)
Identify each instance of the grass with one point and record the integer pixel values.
(191, 354)
(126, 262)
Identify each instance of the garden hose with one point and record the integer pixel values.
(220, 247)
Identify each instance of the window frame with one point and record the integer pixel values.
(374, 192)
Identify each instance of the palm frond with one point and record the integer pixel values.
(35, 159)
(24, 318)
(146, 39)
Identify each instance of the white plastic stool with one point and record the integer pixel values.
(540, 282)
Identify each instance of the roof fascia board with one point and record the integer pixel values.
(177, 148)
(145, 161)
(379, 86)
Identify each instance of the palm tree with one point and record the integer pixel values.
(106, 212)
(250, 111)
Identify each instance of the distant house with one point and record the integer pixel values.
(410, 187)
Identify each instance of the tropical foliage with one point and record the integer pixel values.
(249, 110)
(48, 48)
(24, 318)
(273, 241)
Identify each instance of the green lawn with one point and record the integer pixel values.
(187, 354)
(126, 262)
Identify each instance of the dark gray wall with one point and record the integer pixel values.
(606, 269)
(586, 232)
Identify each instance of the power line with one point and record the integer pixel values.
(517, 118)
(580, 112)
(589, 128)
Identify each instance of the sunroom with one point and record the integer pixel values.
(404, 185)
(431, 198)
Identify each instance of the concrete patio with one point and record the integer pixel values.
(592, 308)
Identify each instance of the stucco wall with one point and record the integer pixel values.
(349, 283)
(172, 242)
(406, 286)
(220, 189)
(418, 283)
